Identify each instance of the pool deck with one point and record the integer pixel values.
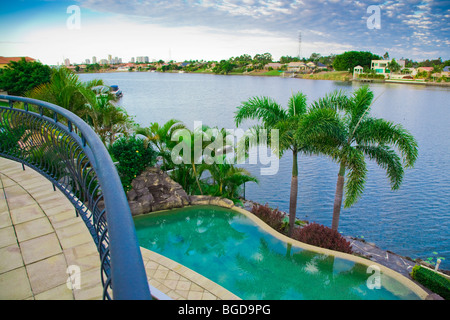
(41, 237)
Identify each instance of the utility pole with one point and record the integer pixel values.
(299, 45)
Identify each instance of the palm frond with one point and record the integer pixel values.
(356, 176)
(387, 159)
(337, 100)
(383, 132)
(264, 109)
(297, 104)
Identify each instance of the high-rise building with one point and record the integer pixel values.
(94, 60)
(66, 62)
(88, 61)
(142, 59)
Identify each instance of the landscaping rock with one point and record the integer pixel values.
(221, 202)
(199, 200)
(154, 190)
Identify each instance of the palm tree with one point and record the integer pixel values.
(160, 136)
(354, 135)
(105, 118)
(272, 116)
(202, 145)
(226, 178)
(65, 90)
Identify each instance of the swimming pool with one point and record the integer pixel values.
(232, 250)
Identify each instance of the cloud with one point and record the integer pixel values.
(410, 28)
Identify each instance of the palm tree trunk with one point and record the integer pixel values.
(196, 178)
(294, 192)
(338, 197)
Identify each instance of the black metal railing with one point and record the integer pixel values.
(63, 148)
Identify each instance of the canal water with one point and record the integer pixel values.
(413, 221)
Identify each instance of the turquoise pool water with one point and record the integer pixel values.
(229, 249)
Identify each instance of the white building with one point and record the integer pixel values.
(381, 67)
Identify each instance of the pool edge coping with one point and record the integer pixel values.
(193, 276)
(420, 292)
(409, 283)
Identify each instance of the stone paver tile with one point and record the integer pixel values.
(5, 219)
(208, 296)
(19, 202)
(14, 191)
(54, 201)
(14, 285)
(85, 255)
(195, 295)
(48, 273)
(171, 284)
(93, 293)
(172, 276)
(183, 285)
(61, 292)
(196, 287)
(75, 240)
(72, 230)
(10, 258)
(63, 219)
(7, 236)
(89, 278)
(33, 228)
(183, 293)
(174, 295)
(160, 274)
(7, 182)
(40, 248)
(86, 263)
(26, 213)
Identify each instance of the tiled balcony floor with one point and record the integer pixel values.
(40, 237)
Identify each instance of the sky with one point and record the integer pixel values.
(51, 31)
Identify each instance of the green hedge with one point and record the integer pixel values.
(432, 280)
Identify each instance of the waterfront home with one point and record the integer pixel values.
(311, 65)
(357, 71)
(5, 60)
(296, 67)
(446, 71)
(273, 65)
(321, 66)
(425, 69)
(381, 67)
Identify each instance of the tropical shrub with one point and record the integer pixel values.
(273, 217)
(21, 76)
(321, 236)
(133, 155)
(432, 280)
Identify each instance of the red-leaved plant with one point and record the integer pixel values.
(273, 217)
(321, 236)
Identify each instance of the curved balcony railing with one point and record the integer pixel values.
(63, 148)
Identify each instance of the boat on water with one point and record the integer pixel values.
(114, 90)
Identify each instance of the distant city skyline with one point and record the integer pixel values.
(52, 31)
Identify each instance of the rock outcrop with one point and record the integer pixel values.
(154, 190)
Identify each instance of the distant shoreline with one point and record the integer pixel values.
(332, 75)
